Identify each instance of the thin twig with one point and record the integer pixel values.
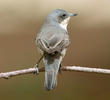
(7, 75)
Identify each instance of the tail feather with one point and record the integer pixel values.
(50, 80)
(51, 71)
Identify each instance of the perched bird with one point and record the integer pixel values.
(52, 42)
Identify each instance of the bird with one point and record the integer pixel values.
(52, 41)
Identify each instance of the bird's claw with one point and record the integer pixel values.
(60, 71)
(37, 70)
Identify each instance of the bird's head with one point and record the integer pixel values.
(60, 16)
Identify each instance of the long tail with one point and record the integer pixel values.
(51, 70)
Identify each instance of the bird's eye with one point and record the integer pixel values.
(64, 15)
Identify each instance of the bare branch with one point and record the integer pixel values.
(7, 75)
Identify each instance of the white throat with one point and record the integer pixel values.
(64, 24)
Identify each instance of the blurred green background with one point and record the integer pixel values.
(20, 21)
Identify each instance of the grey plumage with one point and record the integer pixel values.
(52, 63)
(53, 40)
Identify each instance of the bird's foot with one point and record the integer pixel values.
(37, 70)
(60, 71)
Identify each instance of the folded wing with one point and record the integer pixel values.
(53, 43)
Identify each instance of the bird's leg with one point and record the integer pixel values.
(37, 64)
(60, 69)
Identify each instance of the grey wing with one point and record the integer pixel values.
(53, 42)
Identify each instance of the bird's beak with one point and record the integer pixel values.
(72, 14)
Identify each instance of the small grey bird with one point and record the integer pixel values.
(52, 41)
